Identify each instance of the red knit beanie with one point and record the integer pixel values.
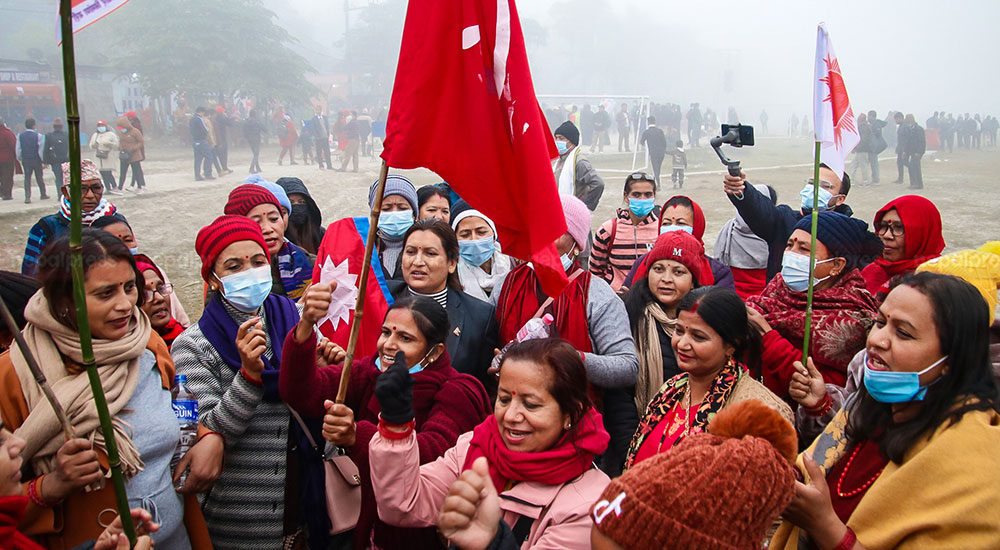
(224, 231)
(243, 199)
(680, 246)
(718, 490)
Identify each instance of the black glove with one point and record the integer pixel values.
(394, 390)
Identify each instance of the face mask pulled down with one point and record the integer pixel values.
(896, 387)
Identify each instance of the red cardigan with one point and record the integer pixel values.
(447, 404)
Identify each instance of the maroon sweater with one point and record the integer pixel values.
(447, 404)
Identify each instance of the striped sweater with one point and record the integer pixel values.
(630, 243)
(245, 508)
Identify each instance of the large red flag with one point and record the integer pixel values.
(339, 258)
(463, 105)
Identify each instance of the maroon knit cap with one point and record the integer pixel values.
(243, 199)
(224, 231)
(719, 490)
(681, 246)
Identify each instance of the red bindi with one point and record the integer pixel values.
(393, 327)
(513, 393)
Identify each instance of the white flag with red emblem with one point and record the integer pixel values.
(834, 122)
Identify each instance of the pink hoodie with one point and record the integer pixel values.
(411, 495)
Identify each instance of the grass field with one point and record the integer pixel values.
(167, 217)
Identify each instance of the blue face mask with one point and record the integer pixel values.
(562, 146)
(413, 370)
(641, 207)
(896, 387)
(567, 262)
(395, 224)
(672, 227)
(807, 198)
(134, 251)
(478, 251)
(795, 271)
(247, 290)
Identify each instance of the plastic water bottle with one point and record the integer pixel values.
(535, 328)
(186, 409)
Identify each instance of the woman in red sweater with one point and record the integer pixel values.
(445, 403)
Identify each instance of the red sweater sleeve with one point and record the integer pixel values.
(302, 384)
(456, 410)
(776, 363)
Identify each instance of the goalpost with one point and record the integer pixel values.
(612, 104)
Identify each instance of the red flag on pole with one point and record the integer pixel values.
(463, 105)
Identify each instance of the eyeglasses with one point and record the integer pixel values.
(94, 189)
(822, 183)
(165, 289)
(894, 229)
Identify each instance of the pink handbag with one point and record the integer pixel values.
(343, 483)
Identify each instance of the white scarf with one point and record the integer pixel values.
(478, 283)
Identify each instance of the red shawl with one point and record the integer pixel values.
(842, 316)
(11, 511)
(521, 296)
(923, 241)
(568, 459)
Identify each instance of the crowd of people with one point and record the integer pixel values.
(666, 403)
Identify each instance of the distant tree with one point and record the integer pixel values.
(371, 46)
(196, 46)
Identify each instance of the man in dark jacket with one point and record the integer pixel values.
(878, 143)
(320, 128)
(861, 161)
(656, 142)
(901, 159)
(8, 160)
(56, 150)
(914, 148)
(203, 153)
(774, 223)
(30, 151)
(574, 174)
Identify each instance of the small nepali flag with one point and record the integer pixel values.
(834, 122)
(339, 259)
(463, 105)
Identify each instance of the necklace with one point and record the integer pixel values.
(843, 474)
(687, 411)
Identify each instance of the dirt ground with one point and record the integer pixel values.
(168, 216)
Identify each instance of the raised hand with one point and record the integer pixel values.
(394, 390)
(807, 387)
(315, 303)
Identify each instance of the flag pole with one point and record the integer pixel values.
(76, 266)
(359, 305)
(36, 371)
(812, 252)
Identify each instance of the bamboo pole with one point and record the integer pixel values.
(36, 371)
(359, 305)
(812, 255)
(76, 265)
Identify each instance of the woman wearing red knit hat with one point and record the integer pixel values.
(677, 265)
(291, 267)
(231, 358)
(910, 229)
(711, 337)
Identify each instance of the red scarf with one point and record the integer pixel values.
(922, 225)
(842, 315)
(11, 512)
(521, 296)
(170, 332)
(568, 459)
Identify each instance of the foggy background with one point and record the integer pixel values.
(915, 56)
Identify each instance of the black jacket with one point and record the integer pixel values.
(56, 147)
(772, 223)
(473, 335)
(199, 131)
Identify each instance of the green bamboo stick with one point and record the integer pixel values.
(812, 256)
(76, 265)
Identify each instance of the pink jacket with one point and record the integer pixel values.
(411, 495)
